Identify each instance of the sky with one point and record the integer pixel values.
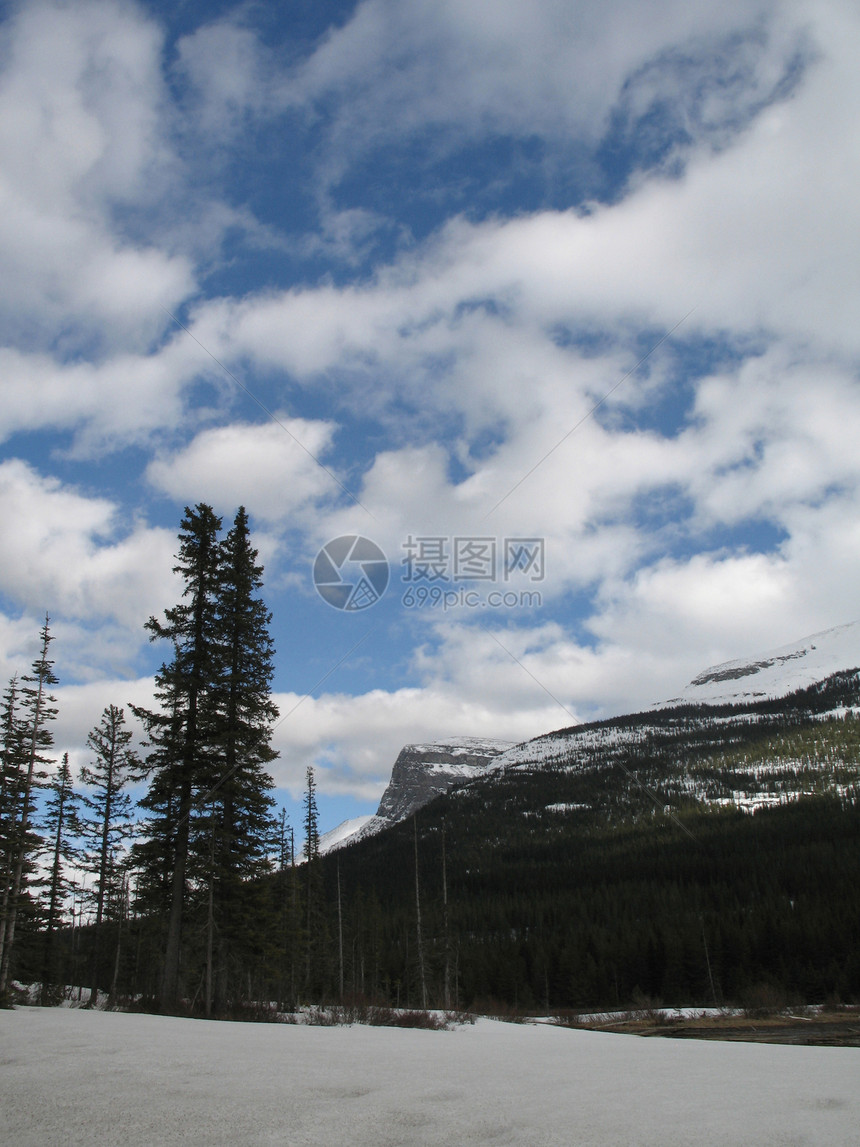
(553, 303)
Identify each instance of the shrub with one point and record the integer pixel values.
(646, 1008)
(763, 999)
(500, 1010)
(394, 1018)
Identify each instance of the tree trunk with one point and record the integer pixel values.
(421, 972)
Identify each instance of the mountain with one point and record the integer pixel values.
(694, 853)
(767, 751)
(420, 773)
(778, 672)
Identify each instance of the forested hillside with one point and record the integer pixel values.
(622, 859)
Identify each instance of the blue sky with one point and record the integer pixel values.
(578, 272)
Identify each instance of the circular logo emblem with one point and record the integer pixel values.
(351, 572)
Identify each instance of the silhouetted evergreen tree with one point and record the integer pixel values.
(209, 832)
(108, 824)
(61, 826)
(38, 709)
(242, 830)
(315, 941)
(182, 732)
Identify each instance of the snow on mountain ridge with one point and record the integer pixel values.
(423, 771)
(777, 672)
(335, 837)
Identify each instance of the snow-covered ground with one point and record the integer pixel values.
(104, 1079)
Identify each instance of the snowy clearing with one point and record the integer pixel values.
(106, 1079)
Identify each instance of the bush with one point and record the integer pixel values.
(763, 999)
(393, 1018)
(646, 1008)
(499, 1010)
(378, 1016)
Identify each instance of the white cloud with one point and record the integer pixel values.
(231, 72)
(465, 328)
(464, 350)
(80, 136)
(122, 399)
(79, 709)
(775, 435)
(476, 68)
(353, 741)
(275, 469)
(72, 555)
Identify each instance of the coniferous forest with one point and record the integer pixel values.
(636, 860)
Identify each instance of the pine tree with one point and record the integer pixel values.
(210, 830)
(182, 732)
(288, 935)
(314, 912)
(61, 825)
(242, 830)
(109, 823)
(153, 851)
(12, 764)
(38, 709)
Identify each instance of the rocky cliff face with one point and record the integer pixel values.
(422, 772)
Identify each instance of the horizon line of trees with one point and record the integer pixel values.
(199, 906)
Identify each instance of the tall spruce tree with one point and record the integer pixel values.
(108, 823)
(242, 829)
(181, 734)
(38, 709)
(61, 826)
(210, 828)
(153, 851)
(11, 796)
(315, 946)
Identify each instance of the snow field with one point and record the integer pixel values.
(106, 1079)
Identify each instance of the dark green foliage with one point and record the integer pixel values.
(182, 733)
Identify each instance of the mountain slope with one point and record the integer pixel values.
(335, 837)
(422, 772)
(778, 672)
(690, 853)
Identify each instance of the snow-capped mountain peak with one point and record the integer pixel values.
(778, 672)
